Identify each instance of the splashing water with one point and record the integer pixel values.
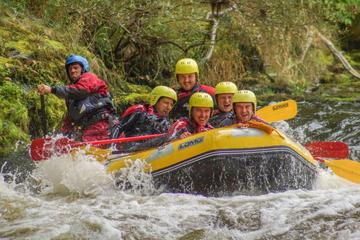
(80, 174)
(133, 179)
(101, 211)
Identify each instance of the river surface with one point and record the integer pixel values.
(65, 199)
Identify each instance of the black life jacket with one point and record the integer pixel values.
(222, 119)
(84, 111)
(140, 120)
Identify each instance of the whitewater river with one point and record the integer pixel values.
(67, 199)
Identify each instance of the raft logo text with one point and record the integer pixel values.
(191, 143)
(285, 105)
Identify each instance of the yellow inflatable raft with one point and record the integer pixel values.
(251, 159)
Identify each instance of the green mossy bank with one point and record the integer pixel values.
(30, 54)
(134, 45)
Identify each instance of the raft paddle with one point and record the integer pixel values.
(43, 115)
(43, 148)
(345, 168)
(328, 149)
(279, 111)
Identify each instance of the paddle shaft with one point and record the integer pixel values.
(43, 115)
(43, 148)
(118, 140)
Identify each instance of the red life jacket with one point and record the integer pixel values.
(181, 106)
(185, 125)
(87, 101)
(136, 108)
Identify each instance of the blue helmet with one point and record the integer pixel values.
(78, 59)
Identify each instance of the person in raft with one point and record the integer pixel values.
(89, 105)
(187, 75)
(223, 115)
(201, 106)
(244, 105)
(140, 119)
(153, 118)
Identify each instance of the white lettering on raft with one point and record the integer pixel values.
(191, 143)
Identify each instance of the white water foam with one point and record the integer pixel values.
(297, 134)
(325, 212)
(73, 173)
(6, 188)
(133, 178)
(330, 211)
(328, 180)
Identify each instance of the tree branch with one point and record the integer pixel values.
(212, 34)
(330, 45)
(212, 40)
(337, 54)
(309, 40)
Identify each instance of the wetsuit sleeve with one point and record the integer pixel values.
(85, 86)
(125, 124)
(178, 128)
(66, 92)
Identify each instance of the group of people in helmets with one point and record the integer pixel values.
(194, 107)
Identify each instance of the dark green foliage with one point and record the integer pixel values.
(13, 116)
(134, 45)
(339, 11)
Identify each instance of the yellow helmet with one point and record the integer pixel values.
(225, 87)
(245, 96)
(186, 66)
(162, 91)
(200, 99)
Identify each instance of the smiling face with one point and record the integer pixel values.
(201, 115)
(187, 81)
(164, 106)
(243, 111)
(74, 71)
(224, 102)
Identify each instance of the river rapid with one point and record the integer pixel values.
(66, 199)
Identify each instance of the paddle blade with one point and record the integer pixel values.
(328, 149)
(43, 148)
(345, 168)
(277, 112)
